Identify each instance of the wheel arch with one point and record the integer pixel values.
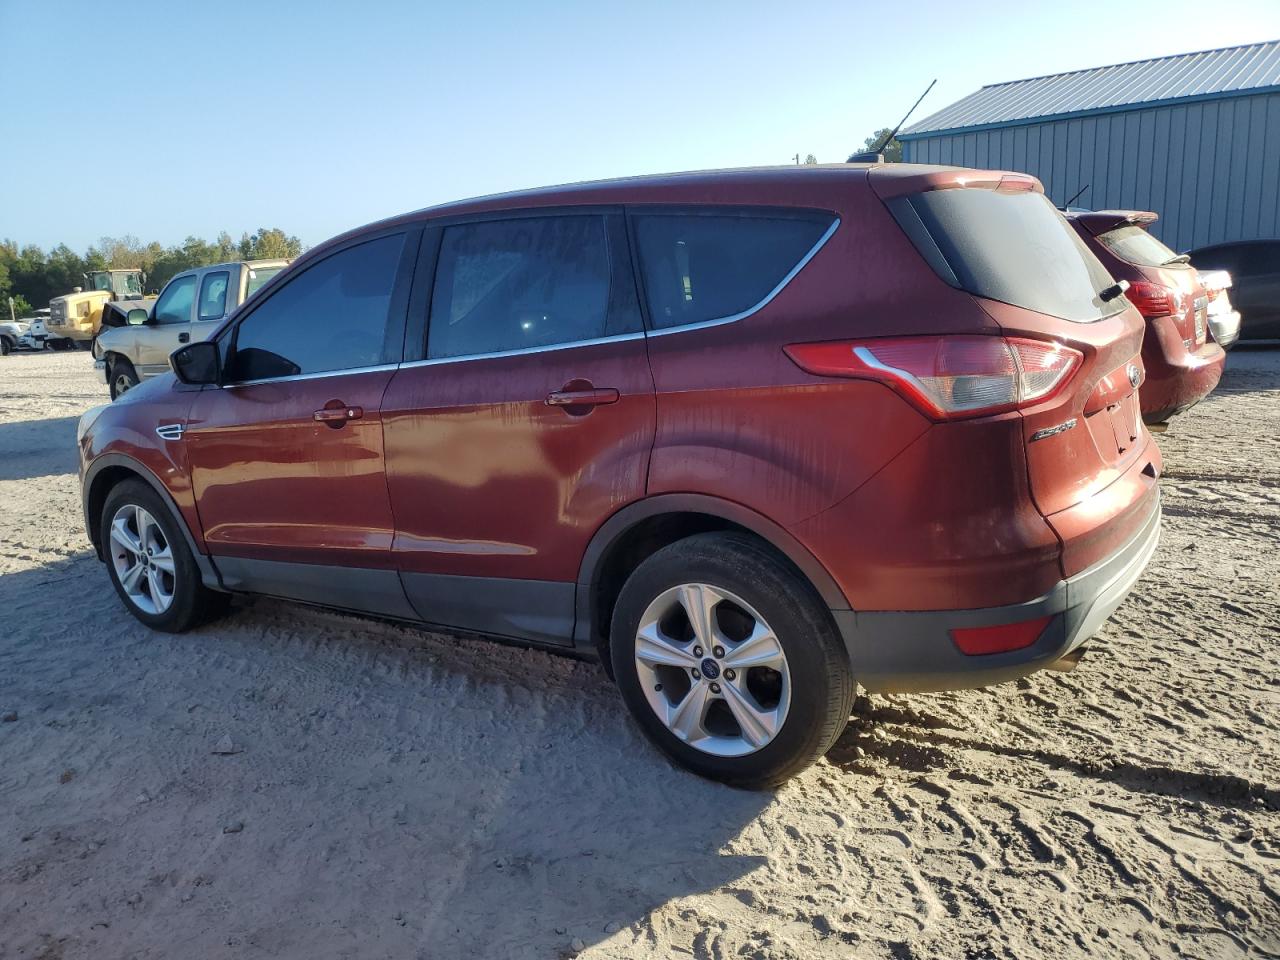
(109, 471)
(641, 528)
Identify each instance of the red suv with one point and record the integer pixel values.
(748, 437)
(1183, 363)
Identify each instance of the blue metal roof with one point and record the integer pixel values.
(1188, 76)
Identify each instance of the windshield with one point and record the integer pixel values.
(1011, 247)
(258, 276)
(128, 285)
(1135, 245)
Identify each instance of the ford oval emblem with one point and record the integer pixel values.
(1135, 375)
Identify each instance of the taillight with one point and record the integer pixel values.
(1154, 299)
(977, 641)
(949, 377)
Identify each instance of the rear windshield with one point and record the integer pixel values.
(258, 276)
(1134, 245)
(1012, 247)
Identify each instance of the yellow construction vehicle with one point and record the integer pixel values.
(76, 317)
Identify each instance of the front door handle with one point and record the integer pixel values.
(582, 398)
(184, 338)
(335, 413)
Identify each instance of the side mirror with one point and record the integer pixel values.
(136, 317)
(197, 363)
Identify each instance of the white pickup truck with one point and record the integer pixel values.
(189, 308)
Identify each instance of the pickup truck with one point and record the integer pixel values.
(189, 308)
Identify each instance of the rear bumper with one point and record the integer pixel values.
(1177, 378)
(1225, 328)
(899, 651)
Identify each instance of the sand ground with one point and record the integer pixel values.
(402, 794)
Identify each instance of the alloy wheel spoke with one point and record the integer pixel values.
(163, 559)
(155, 585)
(145, 527)
(699, 602)
(758, 725)
(685, 718)
(760, 649)
(131, 579)
(655, 649)
(122, 535)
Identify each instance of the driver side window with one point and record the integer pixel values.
(332, 316)
(174, 305)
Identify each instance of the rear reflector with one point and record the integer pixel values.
(949, 377)
(976, 641)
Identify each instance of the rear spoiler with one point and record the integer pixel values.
(1098, 222)
(897, 179)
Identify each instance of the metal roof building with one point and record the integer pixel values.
(1194, 137)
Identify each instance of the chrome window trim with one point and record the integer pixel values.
(348, 371)
(571, 344)
(546, 348)
(768, 298)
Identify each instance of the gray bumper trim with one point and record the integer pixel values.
(909, 651)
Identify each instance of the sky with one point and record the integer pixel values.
(165, 120)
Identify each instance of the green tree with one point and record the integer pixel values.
(269, 244)
(892, 150)
(29, 273)
(810, 160)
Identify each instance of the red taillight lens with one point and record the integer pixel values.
(1153, 299)
(976, 641)
(949, 378)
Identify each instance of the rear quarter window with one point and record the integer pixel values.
(699, 267)
(1014, 247)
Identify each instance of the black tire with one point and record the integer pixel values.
(62, 343)
(6, 346)
(121, 376)
(192, 602)
(821, 682)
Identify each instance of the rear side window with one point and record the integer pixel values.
(331, 316)
(515, 284)
(213, 295)
(1133, 244)
(1008, 246)
(700, 267)
(258, 276)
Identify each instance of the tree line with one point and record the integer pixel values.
(33, 277)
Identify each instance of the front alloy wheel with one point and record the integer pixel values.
(143, 560)
(712, 670)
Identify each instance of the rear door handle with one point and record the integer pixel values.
(582, 398)
(336, 413)
(184, 338)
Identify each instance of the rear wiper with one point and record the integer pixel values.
(1113, 291)
(1180, 258)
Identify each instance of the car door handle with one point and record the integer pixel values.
(337, 413)
(582, 398)
(184, 338)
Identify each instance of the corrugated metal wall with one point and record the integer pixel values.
(1210, 169)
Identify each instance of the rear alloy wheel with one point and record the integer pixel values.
(123, 377)
(729, 660)
(149, 562)
(712, 670)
